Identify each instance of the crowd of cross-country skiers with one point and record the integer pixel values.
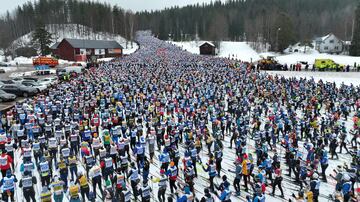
(166, 125)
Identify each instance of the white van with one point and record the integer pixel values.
(76, 69)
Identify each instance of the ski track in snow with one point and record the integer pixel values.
(201, 181)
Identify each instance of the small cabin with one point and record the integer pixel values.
(207, 48)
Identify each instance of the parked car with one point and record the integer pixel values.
(6, 97)
(7, 81)
(48, 81)
(76, 69)
(19, 89)
(2, 71)
(40, 87)
(3, 64)
(21, 79)
(31, 79)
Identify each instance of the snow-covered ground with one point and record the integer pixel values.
(238, 50)
(190, 46)
(243, 51)
(230, 49)
(293, 58)
(338, 77)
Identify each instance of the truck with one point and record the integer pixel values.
(48, 61)
(327, 64)
(270, 63)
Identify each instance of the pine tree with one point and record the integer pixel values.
(355, 43)
(284, 32)
(41, 39)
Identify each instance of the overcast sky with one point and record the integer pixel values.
(135, 5)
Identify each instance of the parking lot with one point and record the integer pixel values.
(11, 73)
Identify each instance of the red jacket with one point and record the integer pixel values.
(8, 159)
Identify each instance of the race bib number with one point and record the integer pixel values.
(44, 167)
(27, 182)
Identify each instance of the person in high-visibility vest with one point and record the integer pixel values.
(84, 185)
(64, 172)
(74, 192)
(45, 195)
(58, 189)
(73, 166)
(107, 140)
(44, 172)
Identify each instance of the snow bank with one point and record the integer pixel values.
(104, 59)
(129, 50)
(9, 69)
(20, 61)
(337, 77)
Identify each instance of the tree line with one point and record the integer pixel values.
(275, 22)
(100, 17)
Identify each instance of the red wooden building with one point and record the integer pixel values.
(86, 50)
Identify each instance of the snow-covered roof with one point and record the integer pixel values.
(211, 44)
(55, 45)
(84, 43)
(325, 37)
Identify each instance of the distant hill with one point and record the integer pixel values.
(61, 31)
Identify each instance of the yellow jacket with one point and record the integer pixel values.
(244, 167)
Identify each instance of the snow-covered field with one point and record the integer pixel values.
(347, 78)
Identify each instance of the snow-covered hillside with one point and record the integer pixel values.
(61, 31)
(236, 50)
(243, 51)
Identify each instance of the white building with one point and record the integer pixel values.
(329, 44)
